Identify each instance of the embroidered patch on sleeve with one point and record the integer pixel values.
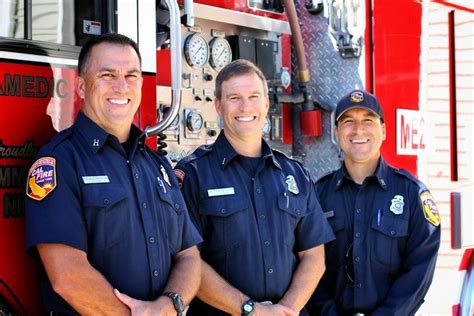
(41, 178)
(180, 175)
(430, 210)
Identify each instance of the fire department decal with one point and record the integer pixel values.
(41, 178)
(430, 210)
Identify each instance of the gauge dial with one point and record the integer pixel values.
(194, 121)
(196, 50)
(221, 54)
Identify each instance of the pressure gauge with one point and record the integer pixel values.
(221, 54)
(196, 50)
(194, 121)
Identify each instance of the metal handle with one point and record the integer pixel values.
(176, 53)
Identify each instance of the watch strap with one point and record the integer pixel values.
(177, 302)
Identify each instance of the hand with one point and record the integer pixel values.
(274, 310)
(163, 306)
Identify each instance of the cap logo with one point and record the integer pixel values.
(357, 96)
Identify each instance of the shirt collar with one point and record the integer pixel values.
(225, 152)
(380, 174)
(96, 137)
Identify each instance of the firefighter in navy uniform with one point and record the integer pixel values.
(103, 210)
(386, 223)
(262, 225)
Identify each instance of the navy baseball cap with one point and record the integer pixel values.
(359, 99)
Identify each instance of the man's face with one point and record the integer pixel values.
(111, 86)
(243, 107)
(360, 134)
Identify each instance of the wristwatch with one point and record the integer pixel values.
(248, 307)
(177, 302)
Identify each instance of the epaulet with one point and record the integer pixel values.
(278, 152)
(326, 176)
(180, 168)
(421, 186)
(198, 153)
(57, 139)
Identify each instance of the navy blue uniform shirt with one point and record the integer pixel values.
(254, 216)
(392, 224)
(125, 210)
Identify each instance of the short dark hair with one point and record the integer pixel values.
(111, 38)
(236, 68)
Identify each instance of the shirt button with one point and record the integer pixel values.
(359, 285)
(106, 201)
(144, 205)
(223, 211)
(262, 216)
(136, 176)
(128, 161)
(392, 232)
(177, 206)
(358, 211)
(151, 240)
(357, 259)
(155, 273)
(357, 235)
(298, 212)
(259, 190)
(267, 243)
(270, 271)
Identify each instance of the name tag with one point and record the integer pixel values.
(329, 214)
(221, 192)
(95, 179)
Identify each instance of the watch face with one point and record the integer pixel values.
(248, 308)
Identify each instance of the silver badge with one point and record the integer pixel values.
(165, 175)
(292, 186)
(397, 205)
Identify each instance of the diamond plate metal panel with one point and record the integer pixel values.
(331, 77)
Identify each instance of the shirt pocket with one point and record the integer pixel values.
(227, 222)
(172, 216)
(293, 209)
(107, 213)
(389, 238)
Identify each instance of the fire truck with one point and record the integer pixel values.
(415, 55)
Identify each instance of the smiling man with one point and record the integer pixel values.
(102, 209)
(385, 221)
(257, 210)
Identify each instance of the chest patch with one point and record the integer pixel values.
(41, 178)
(430, 210)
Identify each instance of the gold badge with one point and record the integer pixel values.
(397, 205)
(165, 175)
(430, 210)
(292, 186)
